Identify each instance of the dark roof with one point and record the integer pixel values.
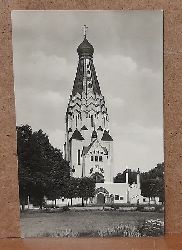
(84, 128)
(85, 48)
(106, 136)
(100, 128)
(77, 135)
(94, 134)
(86, 149)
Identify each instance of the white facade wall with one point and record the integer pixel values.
(76, 166)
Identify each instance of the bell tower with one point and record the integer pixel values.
(88, 145)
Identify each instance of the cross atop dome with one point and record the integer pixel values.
(85, 31)
(85, 48)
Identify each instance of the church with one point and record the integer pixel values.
(88, 141)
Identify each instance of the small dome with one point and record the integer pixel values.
(70, 130)
(94, 134)
(85, 48)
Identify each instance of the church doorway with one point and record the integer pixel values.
(100, 199)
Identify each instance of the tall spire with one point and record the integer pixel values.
(87, 119)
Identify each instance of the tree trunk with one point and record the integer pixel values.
(82, 202)
(55, 203)
(71, 201)
(23, 207)
(41, 203)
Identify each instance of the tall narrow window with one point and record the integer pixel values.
(92, 158)
(92, 121)
(100, 158)
(96, 158)
(76, 121)
(78, 156)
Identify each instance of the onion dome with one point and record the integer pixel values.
(85, 48)
(106, 136)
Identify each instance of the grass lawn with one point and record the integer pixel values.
(45, 224)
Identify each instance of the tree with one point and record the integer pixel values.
(121, 178)
(86, 188)
(42, 169)
(40, 166)
(97, 177)
(152, 182)
(72, 188)
(59, 175)
(24, 134)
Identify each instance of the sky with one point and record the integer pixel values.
(128, 59)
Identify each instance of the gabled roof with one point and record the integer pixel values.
(77, 135)
(84, 128)
(106, 136)
(86, 149)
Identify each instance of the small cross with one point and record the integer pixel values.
(85, 31)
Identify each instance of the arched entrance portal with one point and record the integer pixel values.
(101, 194)
(100, 199)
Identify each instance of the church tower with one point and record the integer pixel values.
(88, 146)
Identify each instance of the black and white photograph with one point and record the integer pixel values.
(89, 122)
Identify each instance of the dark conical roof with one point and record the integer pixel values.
(85, 48)
(106, 136)
(77, 135)
(84, 128)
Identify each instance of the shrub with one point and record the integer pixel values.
(88, 234)
(140, 208)
(120, 231)
(115, 206)
(145, 228)
(151, 228)
(63, 233)
(65, 209)
(149, 209)
(158, 208)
